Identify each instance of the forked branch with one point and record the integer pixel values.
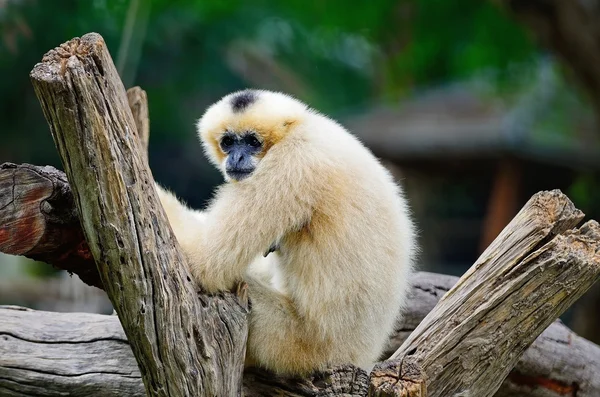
(182, 342)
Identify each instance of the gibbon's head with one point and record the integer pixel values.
(241, 128)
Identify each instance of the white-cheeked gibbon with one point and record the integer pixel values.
(311, 220)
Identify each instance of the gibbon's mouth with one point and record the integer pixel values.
(238, 175)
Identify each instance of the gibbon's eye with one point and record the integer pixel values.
(226, 142)
(253, 141)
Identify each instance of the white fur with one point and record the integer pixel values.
(332, 294)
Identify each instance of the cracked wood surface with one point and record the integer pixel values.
(95, 357)
(184, 343)
(39, 220)
(534, 270)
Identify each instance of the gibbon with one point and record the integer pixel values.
(311, 220)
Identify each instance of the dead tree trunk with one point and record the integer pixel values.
(526, 278)
(194, 345)
(184, 344)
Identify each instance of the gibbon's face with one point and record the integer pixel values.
(238, 131)
(241, 149)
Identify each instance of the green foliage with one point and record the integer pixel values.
(333, 54)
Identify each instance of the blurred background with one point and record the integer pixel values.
(456, 98)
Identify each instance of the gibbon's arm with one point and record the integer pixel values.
(187, 224)
(247, 218)
(243, 221)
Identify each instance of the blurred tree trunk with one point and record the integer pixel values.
(570, 29)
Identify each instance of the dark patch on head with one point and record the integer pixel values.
(241, 101)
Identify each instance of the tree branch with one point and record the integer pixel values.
(531, 274)
(138, 103)
(184, 344)
(39, 220)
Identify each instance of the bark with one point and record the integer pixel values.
(138, 103)
(571, 29)
(39, 220)
(95, 358)
(184, 344)
(531, 274)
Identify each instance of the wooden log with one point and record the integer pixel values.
(53, 354)
(557, 363)
(38, 219)
(184, 344)
(532, 273)
(98, 359)
(57, 354)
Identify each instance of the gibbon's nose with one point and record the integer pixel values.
(238, 159)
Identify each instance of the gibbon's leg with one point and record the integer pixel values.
(278, 337)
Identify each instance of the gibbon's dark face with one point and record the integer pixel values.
(241, 150)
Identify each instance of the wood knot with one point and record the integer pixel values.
(399, 377)
(84, 49)
(75, 47)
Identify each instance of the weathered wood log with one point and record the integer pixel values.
(184, 344)
(51, 354)
(95, 359)
(558, 363)
(531, 274)
(38, 219)
(57, 354)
